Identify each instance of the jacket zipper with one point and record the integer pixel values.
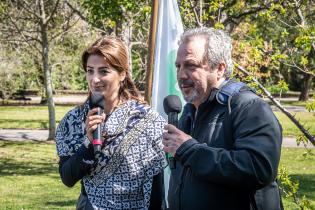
(185, 170)
(183, 176)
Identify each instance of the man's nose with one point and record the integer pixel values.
(181, 73)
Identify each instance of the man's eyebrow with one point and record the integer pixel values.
(191, 61)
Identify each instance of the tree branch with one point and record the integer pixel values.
(52, 12)
(76, 11)
(63, 31)
(27, 7)
(275, 102)
(22, 35)
(195, 14)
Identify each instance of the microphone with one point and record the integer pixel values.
(172, 107)
(97, 100)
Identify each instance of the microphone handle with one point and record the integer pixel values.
(173, 120)
(97, 142)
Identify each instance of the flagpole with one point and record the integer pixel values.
(152, 38)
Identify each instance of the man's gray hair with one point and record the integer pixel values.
(219, 46)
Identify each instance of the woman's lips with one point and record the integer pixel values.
(98, 87)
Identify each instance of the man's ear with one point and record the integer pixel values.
(221, 70)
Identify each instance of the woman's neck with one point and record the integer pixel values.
(111, 104)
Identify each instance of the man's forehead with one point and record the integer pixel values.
(192, 47)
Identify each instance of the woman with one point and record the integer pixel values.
(127, 174)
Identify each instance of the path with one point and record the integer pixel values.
(41, 135)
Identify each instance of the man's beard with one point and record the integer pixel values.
(192, 96)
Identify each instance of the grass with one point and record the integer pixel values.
(29, 117)
(29, 177)
(289, 128)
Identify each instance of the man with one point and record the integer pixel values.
(227, 147)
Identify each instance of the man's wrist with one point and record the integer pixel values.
(184, 148)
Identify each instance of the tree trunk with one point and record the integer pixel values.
(48, 83)
(304, 96)
(126, 34)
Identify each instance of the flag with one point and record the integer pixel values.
(169, 29)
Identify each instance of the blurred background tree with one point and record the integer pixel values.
(274, 40)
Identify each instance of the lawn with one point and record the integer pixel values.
(29, 117)
(307, 119)
(29, 177)
(36, 117)
(301, 169)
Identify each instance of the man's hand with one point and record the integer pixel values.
(173, 138)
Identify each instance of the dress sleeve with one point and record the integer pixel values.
(157, 160)
(76, 159)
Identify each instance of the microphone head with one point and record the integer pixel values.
(172, 103)
(97, 100)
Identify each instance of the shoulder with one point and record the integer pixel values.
(154, 121)
(245, 97)
(237, 94)
(248, 103)
(72, 118)
(77, 112)
(148, 111)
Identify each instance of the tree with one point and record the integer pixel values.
(129, 19)
(277, 35)
(289, 28)
(32, 26)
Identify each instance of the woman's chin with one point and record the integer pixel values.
(98, 90)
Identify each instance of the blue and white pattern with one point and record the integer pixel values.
(131, 157)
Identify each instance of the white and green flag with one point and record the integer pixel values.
(169, 29)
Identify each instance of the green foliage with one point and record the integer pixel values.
(281, 87)
(130, 20)
(289, 27)
(297, 178)
(67, 70)
(17, 72)
(310, 106)
(290, 190)
(107, 14)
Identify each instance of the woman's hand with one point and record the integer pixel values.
(92, 121)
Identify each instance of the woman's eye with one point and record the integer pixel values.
(89, 71)
(103, 71)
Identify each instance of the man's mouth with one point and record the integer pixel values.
(186, 85)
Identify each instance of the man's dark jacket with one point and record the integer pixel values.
(234, 151)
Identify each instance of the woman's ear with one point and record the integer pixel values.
(122, 76)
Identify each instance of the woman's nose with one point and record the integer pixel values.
(96, 78)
